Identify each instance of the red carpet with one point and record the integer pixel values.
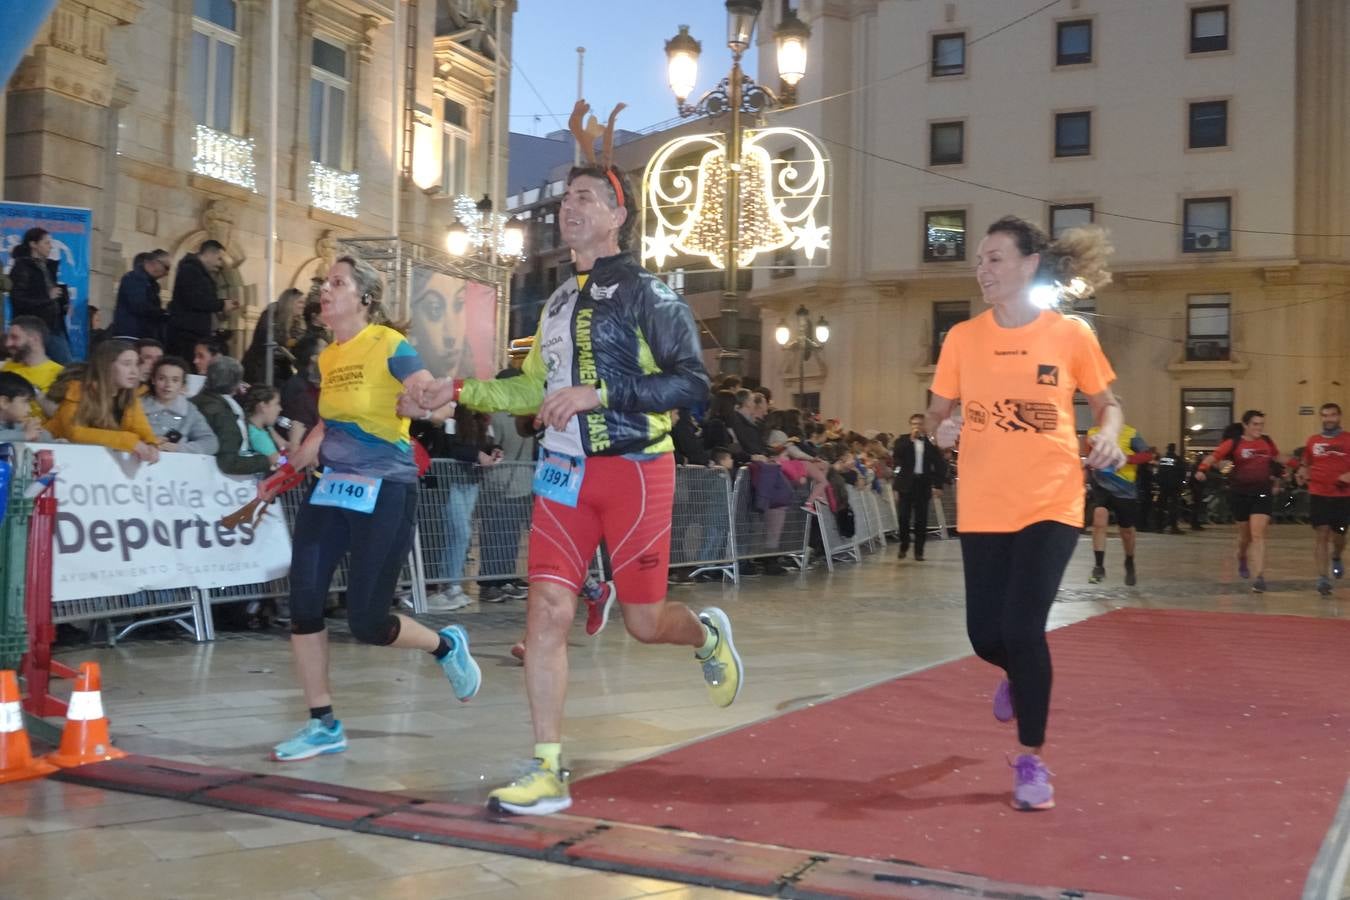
(1196, 755)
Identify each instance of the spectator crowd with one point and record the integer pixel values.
(160, 380)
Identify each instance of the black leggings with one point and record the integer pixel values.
(379, 542)
(1011, 580)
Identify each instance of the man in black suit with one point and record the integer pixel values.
(920, 473)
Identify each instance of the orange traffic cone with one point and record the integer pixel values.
(16, 756)
(85, 739)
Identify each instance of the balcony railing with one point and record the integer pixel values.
(334, 191)
(224, 157)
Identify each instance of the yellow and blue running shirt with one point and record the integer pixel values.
(361, 381)
(1121, 482)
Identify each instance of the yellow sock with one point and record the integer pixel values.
(551, 754)
(709, 643)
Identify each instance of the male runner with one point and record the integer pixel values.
(615, 350)
(1325, 469)
(1116, 491)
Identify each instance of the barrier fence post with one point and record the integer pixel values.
(13, 553)
(38, 665)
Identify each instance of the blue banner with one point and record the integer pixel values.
(17, 35)
(72, 238)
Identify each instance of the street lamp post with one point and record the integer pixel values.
(808, 340)
(478, 232)
(736, 94)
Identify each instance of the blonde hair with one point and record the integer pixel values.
(369, 286)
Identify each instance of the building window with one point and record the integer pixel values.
(215, 49)
(944, 236)
(949, 54)
(1208, 322)
(454, 149)
(1209, 29)
(1069, 215)
(1205, 413)
(1208, 225)
(329, 89)
(1073, 134)
(1208, 124)
(808, 403)
(1083, 420)
(1073, 43)
(946, 316)
(946, 143)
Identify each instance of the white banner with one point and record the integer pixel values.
(124, 526)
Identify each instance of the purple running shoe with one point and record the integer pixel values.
(1243, 571)
(1031, 784)
(1003, 702)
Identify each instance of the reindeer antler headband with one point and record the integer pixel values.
(586, 135)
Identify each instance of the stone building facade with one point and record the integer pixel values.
(1209, 138)
(154, 113)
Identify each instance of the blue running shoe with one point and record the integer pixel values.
(1243, 571)
(312, 740)
(1337, 567)
(459, 666)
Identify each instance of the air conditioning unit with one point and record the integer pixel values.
(1206, 238)
(1205, 350)
(943, 250)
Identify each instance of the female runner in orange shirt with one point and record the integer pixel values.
(1014, 370)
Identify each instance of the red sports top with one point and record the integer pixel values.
(1252, 467)
(1327, 459)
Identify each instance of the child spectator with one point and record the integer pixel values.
(102, 408)
(798, 467)
(16, 420)
(180, 425)
(262, 407)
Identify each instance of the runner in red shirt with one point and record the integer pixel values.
(1250, 488)
(1325, 469)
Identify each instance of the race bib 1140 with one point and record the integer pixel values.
(346, 491)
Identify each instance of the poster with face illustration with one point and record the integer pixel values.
(454, 324)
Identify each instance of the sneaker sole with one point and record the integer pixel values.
(318, 751)
(538, 808)
(723, 625)
(1033, 807)
(604, 613)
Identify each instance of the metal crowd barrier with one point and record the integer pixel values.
(783, 533)
(701, 536)
(473, 524)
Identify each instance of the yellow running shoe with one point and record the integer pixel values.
(722, 670)
(539, 792)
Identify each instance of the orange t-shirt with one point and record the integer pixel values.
(1019, 452)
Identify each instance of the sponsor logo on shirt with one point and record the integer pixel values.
(1047, 375)
(977, 417)
(1025, 416)
(1010, 353)
(603, 293)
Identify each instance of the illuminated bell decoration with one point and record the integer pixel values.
(783, 203)
(761, 227)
